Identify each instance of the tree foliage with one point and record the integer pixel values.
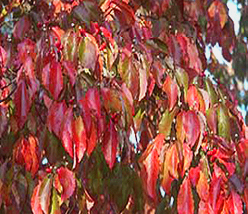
(105, 108)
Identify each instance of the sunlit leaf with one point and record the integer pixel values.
(150, 166)
(234, 203)
(67, 181)
(202, 187)
(27, 153)
(218, 12)
(185, 202)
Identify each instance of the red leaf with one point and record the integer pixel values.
(111, 100)
(26, 153)
(92, 138)
(3, 59)
(35, 200)
(67, 181)
(194, 175)
(205, 208)
(22, 103)
(150, 170)
(52, 78)
(32, 82)
(55, 117)
(109, 147)
(185, 202)
(93, 100)
(191, 125)
(190, 53)
(150, 165)
(215, 198)
(171, 89)
(193, 98)
(179, 127)
(66, 132)
(26, 49)
(70, 70)
(234, 203)
(172, 161)
(187, 158)
(79, 137)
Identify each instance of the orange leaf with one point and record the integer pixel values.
(202, 187)
(217, 10)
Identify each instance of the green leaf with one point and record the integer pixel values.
(223, 122)
(55, 203)
(166, 121)
(45, 194)
(157, 44)
(211, 91)
(183, 80)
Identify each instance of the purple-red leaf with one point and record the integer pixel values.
(93, 100)
(66, 132)
(22, 102)
(21, 27)
(110, 142)
(52, 78)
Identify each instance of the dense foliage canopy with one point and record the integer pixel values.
(105, 107)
